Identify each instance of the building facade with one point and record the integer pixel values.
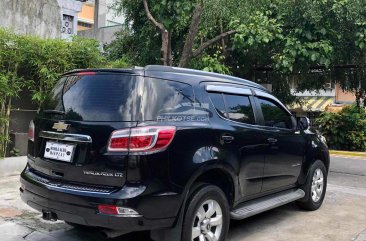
(99, 20)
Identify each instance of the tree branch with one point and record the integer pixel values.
(193, 30)
(166, 51)
(206, 44)
(152, 19)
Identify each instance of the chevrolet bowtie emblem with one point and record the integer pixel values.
(60, 126)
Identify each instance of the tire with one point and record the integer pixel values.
(200, 221)
(313, 198)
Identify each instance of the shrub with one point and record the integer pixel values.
(345, 130)
(35, 63)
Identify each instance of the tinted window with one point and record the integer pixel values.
(239, 108)
(110, 97)
(100, 97)
(274, 115)
(218, 102)
(159, 98)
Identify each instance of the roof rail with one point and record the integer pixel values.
(199, 72)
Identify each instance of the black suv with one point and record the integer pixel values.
(176, 151)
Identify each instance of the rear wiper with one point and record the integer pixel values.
(58, 112)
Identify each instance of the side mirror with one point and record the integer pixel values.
(303, 123)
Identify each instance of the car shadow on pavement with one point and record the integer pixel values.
(238, 229)
(260, 223)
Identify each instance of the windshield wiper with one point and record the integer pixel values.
(57, 112)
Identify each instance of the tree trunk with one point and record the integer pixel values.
(166, 49)
(187, 53)
(224, 52)
(358, 98)
(193, 30)
(6, 129)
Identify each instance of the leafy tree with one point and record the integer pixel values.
(309, 40)
(183, 29)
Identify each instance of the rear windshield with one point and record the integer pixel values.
(111, 97)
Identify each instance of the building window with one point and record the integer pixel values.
(67, 24)
(85, 25)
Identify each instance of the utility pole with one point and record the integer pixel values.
(96, 14)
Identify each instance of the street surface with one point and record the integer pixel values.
(342, 216)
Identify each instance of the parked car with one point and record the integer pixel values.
(176, 151)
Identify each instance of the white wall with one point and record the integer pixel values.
(69, 8)
(31, 17)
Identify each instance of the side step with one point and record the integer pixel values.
(266, 203)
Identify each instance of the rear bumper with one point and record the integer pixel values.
(157, 211)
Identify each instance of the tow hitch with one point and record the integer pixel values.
(48, 215)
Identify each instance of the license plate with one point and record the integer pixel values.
(59, 151)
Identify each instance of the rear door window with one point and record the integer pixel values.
(234, 107)
(239, 108)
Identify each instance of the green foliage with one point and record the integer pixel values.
(211, 63)
(123, 62)
(35, 63)
(293, 39)
(48, 59)
(141, 41)
(345, 130)
(10, 82)
(289, 38)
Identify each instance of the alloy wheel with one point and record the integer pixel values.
(207, 224)
(317, 185)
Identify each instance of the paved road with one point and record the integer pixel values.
(342, 216)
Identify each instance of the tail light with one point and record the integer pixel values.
(142, 139)
(114, 210)
(31, 131)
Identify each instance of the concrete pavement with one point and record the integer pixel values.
(342, 216)
(12, 165)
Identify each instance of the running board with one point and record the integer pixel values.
(266, 203)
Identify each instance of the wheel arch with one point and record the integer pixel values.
(321, 154)
(216, 174)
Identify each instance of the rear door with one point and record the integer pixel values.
(241, 137)
(73, 128)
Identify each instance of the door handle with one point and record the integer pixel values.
(227, 138)
(272, 140)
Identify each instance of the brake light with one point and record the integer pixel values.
(31, 131)
(86, 73)
(142, 139)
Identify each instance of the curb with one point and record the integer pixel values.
(347, 153)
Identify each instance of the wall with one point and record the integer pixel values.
(103, 35)
(69, 16)
(33, 17)
(112, 19)
(344, 97)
